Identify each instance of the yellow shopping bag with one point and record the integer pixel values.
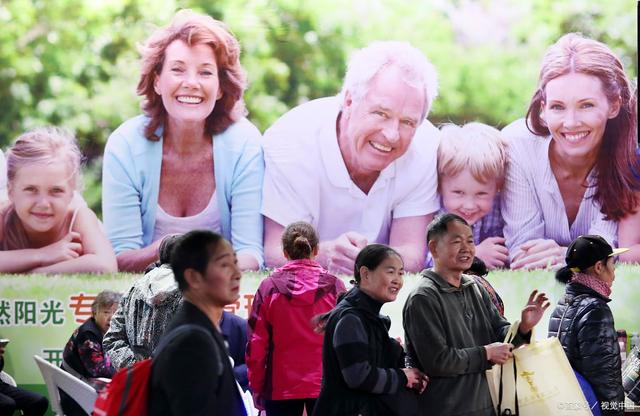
(537, 381)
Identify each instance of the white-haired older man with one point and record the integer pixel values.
(360, 166)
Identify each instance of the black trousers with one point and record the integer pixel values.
(291, 407)
(15, 398)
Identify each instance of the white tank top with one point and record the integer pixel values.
(207, 219)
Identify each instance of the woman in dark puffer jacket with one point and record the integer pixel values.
(583, 321)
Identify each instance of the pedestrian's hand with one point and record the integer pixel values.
(423, 385)
(533, 311)
(416, 379)
(499, 352)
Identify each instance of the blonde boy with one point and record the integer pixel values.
(471, 169)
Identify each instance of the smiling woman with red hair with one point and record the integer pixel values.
(192, 161)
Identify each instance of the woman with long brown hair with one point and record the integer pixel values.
(572, 161)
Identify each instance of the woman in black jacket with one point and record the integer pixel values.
(583, 321)
(363, 370)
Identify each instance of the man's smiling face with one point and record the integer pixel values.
(381, 124)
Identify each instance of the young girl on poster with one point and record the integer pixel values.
(47, 227)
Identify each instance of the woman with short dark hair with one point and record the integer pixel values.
(362, 366)
(191, 373)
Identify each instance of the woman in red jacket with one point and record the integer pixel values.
(284, 354)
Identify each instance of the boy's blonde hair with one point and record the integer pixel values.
(476, 147)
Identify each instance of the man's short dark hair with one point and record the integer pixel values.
(193, 251)
(438, 227)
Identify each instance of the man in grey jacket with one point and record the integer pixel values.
(453, 330)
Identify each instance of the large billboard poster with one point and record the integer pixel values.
(308, 150)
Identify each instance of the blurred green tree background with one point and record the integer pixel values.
(74, 63)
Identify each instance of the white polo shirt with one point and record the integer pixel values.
(306, 178)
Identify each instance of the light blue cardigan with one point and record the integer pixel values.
(131, 183)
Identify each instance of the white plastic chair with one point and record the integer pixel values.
(56, 378)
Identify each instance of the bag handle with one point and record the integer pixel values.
(507, 412)
(513, 331)
(511, 334)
